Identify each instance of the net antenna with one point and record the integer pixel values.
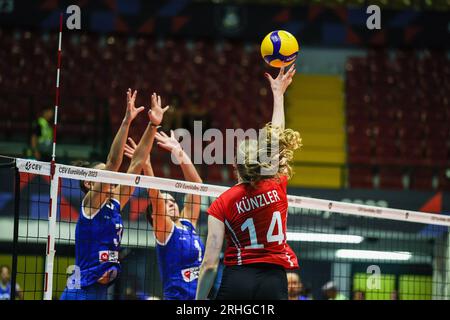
(54, 183)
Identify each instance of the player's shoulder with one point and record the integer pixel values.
(233, 192)
(187, 223)
(110, 204)
(271, 182)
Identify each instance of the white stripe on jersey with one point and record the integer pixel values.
(236, 242)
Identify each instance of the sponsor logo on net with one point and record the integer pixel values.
(435, 217)
(80, 172)
(32, 166)
(190, 274)
(188, 186)
(370, 210)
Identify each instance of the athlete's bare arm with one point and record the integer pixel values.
(279, 86)
(208, 270)
(192, 202)
(144, 147)
(162, 224)
(100, 191)
(115, 155)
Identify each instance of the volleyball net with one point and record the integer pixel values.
(345, 250)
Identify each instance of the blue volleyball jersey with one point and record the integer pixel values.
(97, 243)
(5, 292)
(179, 262)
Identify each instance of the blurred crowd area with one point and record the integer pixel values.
(397, 114)
(197, 78)
(396, 101)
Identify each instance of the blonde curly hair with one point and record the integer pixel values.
(269, 156)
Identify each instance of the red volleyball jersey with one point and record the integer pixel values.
(255, 223)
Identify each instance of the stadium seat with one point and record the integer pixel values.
(422, 179)
(400, 107)
(361, 177)
(391, 177)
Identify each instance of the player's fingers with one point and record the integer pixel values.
(126, 147)
(160, 138)
(133, 144)
(162, 145)
(165, 109)
(281, 71)
(268, 77)
(141, 108)
(292, 70)
(159, 100)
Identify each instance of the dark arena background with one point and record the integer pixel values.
(372, 106)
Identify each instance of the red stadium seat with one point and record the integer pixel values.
(360, 153)
(216, 173)
(391, 177)
(422, 179)
(361, 177)
(387, 153)
(444, 180)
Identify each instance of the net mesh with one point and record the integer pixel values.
(345, 251)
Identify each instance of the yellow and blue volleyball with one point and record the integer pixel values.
(279, 48)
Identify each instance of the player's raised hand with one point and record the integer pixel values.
(168, 143)
(129, 148)
(282, 81)
(132, 111)
(156, 113)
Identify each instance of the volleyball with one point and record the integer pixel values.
(279, 48)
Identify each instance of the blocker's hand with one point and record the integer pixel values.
(132, 111)
(282, 81)
(168, 143)
(130, 148)
(156, 113)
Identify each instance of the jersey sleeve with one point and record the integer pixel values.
(217, 209)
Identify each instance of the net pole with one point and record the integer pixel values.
(15, 233)
(54, 184)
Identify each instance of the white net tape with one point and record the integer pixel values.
(78, 173)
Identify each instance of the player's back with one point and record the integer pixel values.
(97, 242)
(255, 220)
(179, 259)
